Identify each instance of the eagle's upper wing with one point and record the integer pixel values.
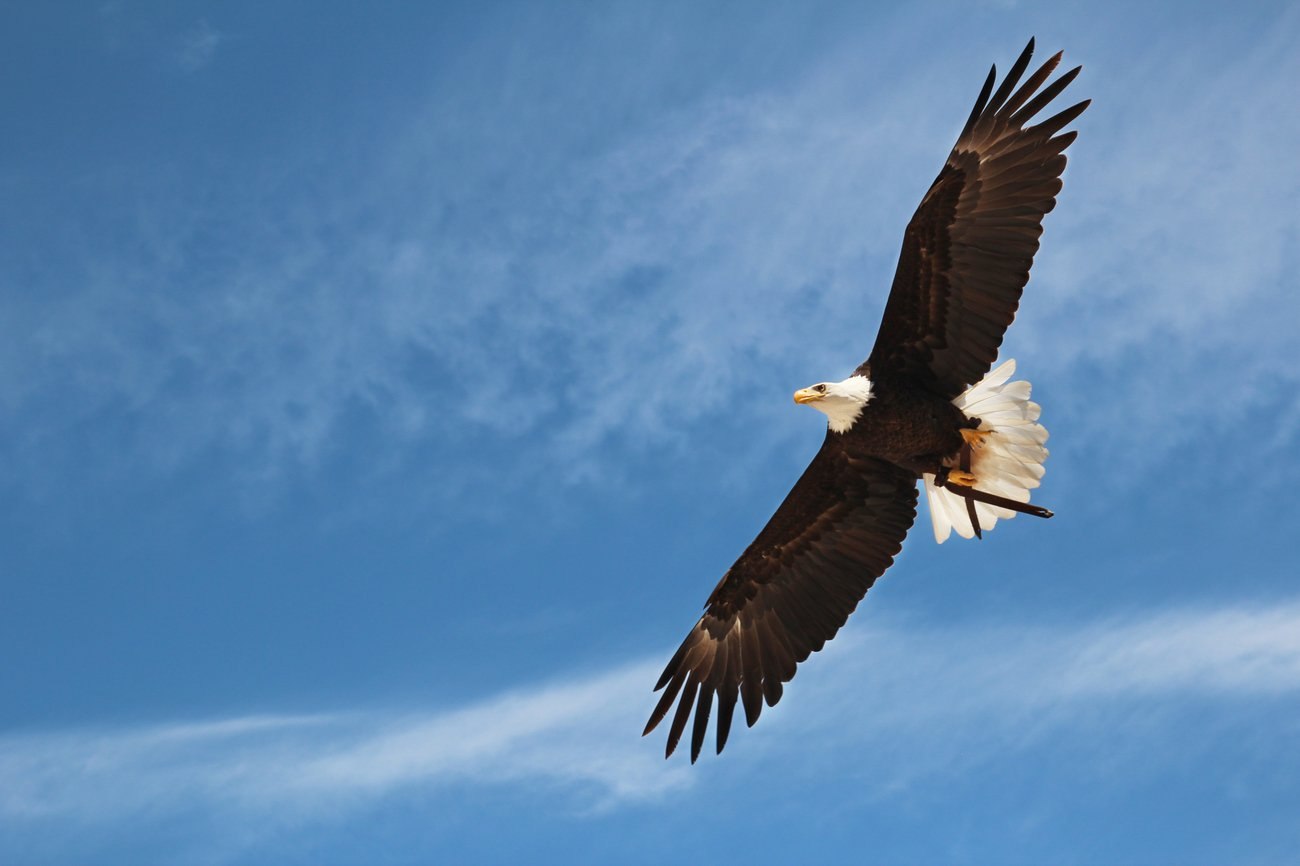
(967, 250)
(835, 533)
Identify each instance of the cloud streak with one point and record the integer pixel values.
(940, 700)
(198, 46)
(739, 232)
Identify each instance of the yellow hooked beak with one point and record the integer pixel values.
(808, 395)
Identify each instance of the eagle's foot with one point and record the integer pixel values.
(975, 438)
(960, 478)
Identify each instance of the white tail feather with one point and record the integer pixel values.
(1008, 463)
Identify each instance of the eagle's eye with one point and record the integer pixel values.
(820, 389)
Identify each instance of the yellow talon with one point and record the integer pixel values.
(965, 479)
(975, 438)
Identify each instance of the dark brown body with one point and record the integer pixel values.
(908, 426)
(964, 263)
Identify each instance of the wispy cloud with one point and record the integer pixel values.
(744, 238)
(941, 700)
(575, 735)
(1168, 270)
(197, 47)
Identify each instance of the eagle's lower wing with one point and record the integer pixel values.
(789, 593)
(968, 248)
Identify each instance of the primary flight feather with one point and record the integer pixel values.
(923, 406)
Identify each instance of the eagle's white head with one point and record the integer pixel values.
(842, 402)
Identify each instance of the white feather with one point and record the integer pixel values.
(1010, 461)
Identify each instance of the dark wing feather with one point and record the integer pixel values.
(968, 248)
(789, 593)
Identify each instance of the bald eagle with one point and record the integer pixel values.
(923, 406)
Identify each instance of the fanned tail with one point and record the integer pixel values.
(1007, 463)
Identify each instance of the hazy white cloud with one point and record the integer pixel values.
(938, 699)
(1167, 271)
(578, 735)
(739, 242)
(198, 45)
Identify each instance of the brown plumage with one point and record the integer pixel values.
(968, 248)
(965, 260)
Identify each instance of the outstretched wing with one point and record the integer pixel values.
(789, 593)
(968, 248)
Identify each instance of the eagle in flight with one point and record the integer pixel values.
(924, 405)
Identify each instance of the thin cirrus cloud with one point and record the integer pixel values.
(730, 238)
(1174, 250)
(940, 700)
(197, 47)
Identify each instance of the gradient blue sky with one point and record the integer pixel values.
(383, 388)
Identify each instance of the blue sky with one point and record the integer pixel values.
(383, 390)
